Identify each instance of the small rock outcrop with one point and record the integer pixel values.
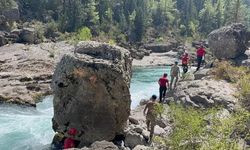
(206, 93)
(28, 35)
(91, 89)
(161, 48)
(228, 42)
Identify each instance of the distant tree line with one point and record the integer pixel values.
(132, 18)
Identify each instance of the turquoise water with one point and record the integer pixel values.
(30, 129)
(145, 83)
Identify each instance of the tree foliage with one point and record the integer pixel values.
(134, 17)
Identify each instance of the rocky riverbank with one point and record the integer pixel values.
(26, 71)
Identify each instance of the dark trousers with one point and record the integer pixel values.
(185, 68)
(199, 61)
(162, 92)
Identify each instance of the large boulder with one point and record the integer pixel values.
(91, 91)
(228, 42)
(206, 93)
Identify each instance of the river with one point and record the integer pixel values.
(25, 128)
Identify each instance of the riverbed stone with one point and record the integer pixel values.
(91, 91)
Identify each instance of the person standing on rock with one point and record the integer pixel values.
(151, 115)
(200, 55)
(164, 84)
(175, 73)
(185, 61)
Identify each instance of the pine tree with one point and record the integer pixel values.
(139, 25)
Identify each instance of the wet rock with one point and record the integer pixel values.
(228, 42)
(91, 90)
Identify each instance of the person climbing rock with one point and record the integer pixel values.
(151, 115)
(185, 61)
(175, 73)
(70, 141)
(200, 55)
(164, 84)
(57, 142)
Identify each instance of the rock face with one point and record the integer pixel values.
(26, 71)
(228, 42)
(91, 89)
(161, 48)
(157, 59)
(206, 93)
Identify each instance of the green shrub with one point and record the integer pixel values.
(189, 126)
(112, 42)
(225, 133)
(196, 129)
(51, 28)
(159, 40)
(159, 109)
(226, 71)
(84, 34)
(6, 4)
(244, 90)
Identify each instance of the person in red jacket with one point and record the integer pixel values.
(69, 142)
(200, 54)
(163, 83)
(185, 61)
